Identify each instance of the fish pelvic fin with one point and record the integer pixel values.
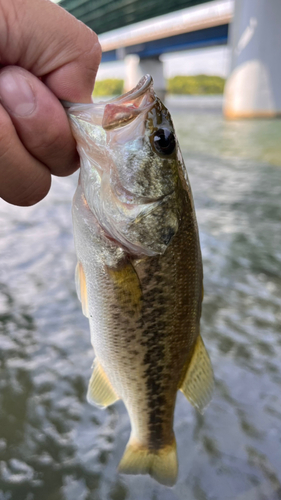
(161, 464)
(100, 391)
(81, 289)
(197, 383)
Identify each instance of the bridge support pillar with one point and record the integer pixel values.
(135, 68)
(253, 88)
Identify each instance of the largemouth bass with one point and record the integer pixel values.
(139, 272)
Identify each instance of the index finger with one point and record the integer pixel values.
(43, 38)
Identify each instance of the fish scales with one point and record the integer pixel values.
(140, 275)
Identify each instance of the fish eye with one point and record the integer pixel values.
(164, 141)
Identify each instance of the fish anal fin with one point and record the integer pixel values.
(81, 288)
(197, 383)
(100, 391)
(161, 464)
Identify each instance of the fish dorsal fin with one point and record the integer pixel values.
(198, 381)
(100, 391)
(81, 288)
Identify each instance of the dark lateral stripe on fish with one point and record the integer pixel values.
(154, 343)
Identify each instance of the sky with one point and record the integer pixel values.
(211, 61)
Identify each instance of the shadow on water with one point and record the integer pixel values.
(53, 445)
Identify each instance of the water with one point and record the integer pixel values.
(53, 445)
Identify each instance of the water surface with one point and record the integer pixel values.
(53, 445)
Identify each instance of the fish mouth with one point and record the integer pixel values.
(118, 111)
(145, 82)
(140, 89)
(121, 110)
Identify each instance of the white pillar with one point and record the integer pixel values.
(135, 68)
(253, 88)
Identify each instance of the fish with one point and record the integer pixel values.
(139, 273)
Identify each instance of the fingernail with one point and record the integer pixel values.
(16, 95)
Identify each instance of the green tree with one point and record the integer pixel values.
(196, 85)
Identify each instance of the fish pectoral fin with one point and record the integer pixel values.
(197, 383)
(127, 286)
(161, 464)
(100, 391)
(81, 289)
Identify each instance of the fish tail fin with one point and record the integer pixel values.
(161, 464)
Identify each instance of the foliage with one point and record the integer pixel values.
(111, 86)
(199, 84)
(193, 85)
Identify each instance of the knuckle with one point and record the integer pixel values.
(96, 45)
(92, 50)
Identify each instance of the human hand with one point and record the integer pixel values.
(45, 55)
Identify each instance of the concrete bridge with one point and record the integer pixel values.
(140, 32)
(195, 27)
